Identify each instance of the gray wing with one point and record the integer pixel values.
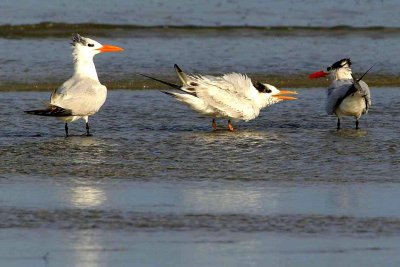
(81, 96)
(340, 89)
(336, 92)
(364, 89)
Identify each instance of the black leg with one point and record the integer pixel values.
(66, 129)
(87, 129)
(338, 124)
(357, 128)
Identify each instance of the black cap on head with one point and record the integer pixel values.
(339, 64)
(261, 88)
(76, 38)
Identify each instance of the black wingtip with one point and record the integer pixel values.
(35, 112)
(163, 82)
(167, 93)
(51, 111)
(177, 68)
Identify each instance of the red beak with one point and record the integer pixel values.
(318, 74)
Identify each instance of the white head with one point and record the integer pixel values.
(269, 94)
(84, 49)
(340, 70)
(337, 71)
(88, 48)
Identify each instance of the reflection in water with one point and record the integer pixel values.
(87, 196)
(230, 200)
(351, 133)
(244, 135)
(88, 248)
(347, 199)
(243, 141)
(85, 141)
(93, 149)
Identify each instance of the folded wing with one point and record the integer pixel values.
(340, 89)
(82, 97)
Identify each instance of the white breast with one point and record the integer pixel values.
(352, 105)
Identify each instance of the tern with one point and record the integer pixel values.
(82, 95)
(347, 95)
(230, 96)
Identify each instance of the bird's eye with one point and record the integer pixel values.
(90, 45)
(268, 90)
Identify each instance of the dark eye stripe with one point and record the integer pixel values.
(262, 88)
(90, 45)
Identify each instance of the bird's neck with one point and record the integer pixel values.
(265, 100)
(84, 66)
(341, 74)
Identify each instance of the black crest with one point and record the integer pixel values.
(76, 38)
(261, 88)
(339, 64)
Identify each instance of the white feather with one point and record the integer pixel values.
(83, 93)
(354, 104)
(229, 96)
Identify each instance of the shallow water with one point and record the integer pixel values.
(284, 189)
(155, 186)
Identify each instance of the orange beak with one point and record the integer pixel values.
(282, 95)
(110, 48)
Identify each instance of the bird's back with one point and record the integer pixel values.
(230, 94)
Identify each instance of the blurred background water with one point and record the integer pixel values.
(271, 38)
(221, 12)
